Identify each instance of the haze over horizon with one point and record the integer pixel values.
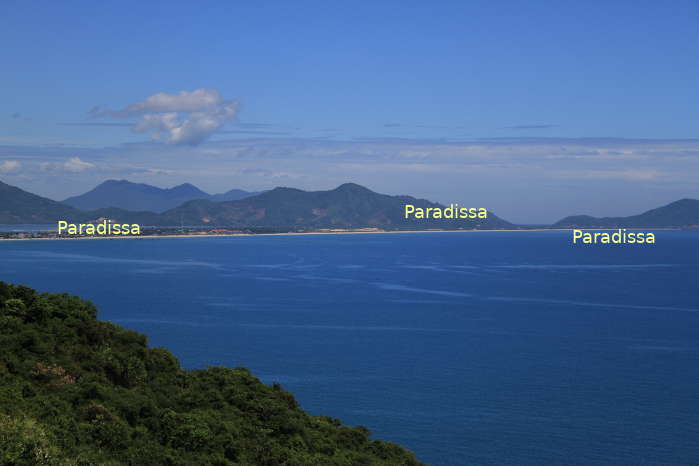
(533, 111)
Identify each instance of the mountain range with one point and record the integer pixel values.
(347, 206)
(126, 195)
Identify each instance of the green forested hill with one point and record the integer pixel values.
(21, 207)
(18, 206)
(78, 391)
(347, 206)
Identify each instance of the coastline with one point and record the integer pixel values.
(314, 233)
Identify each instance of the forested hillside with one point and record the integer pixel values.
(78, 391)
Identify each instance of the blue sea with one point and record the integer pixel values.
(505, 348)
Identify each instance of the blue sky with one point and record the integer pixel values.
(532, 109)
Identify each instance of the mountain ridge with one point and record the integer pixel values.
(14, 202)
(127, 195)
(347, 206)
(680, 213)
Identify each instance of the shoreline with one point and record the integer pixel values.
(316, 233)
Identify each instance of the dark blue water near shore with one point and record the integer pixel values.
(468, 348)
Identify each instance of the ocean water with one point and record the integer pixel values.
(507, 348)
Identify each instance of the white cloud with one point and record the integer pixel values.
(195, 101)
(185, 118)
(9, 166)
(72, 165)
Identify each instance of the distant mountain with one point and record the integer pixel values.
(18, 207)
(232, 195)
(21, 207)
(682, 213)
(348, 206)
(126, 195)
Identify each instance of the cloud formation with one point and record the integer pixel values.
(185, 118)
(72, 165)
(75, 165)
(9, 166)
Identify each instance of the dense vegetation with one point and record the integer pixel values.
(78, 391)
